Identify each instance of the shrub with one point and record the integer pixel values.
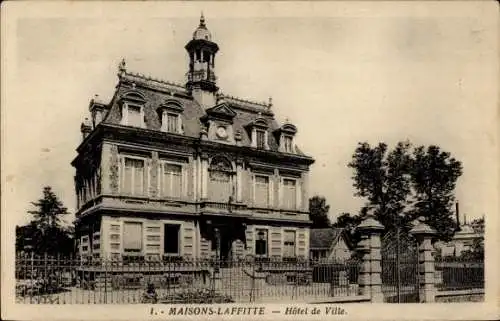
(197, 296)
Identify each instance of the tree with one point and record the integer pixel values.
(401, 185)
(383, 178)
(476, 253)
(49, 210)
(349, 223)
(478, 225)
(433, 178)
(45, 233)
(319, 212)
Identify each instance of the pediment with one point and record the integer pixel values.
(222, 110)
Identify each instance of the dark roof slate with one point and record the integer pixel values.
(157, 91)
(323, 238)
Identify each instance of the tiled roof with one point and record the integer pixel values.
(157, 91)
(323, 238)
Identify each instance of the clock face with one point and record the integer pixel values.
(221, 132)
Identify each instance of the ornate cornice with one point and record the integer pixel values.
(147, 138)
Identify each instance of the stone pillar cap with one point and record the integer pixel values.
(422, 228)
(370, 224)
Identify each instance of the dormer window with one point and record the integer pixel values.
(288, 144)
(134, 116)
(260, 138)
(286, 136)
(258, 129)
(172, 123)
(133, 109)
(170, 116)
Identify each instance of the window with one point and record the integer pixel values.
(171, 239)
(134, 117)
(262, 190)
(289, 193)
(133, 180)
(261, 138)
(261, 242)
(132, 236)
(287, 144)
(172, 180)
(220, 187)
(289, 244)
(172, 123)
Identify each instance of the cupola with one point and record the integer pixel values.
(201, 79)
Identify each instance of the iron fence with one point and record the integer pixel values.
(457, 274)
(68, 280)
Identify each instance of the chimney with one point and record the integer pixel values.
(457, 214)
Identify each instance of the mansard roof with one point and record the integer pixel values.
(157, 93)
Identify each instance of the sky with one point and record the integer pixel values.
(342, 73)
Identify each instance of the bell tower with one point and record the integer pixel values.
(201, 79)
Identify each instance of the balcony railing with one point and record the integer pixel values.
(226, 207)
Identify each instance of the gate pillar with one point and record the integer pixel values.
(424, 233)
(370, 281)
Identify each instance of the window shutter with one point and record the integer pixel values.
(124, 114)
(179, 124)
(253, 189)
(183, 179)
(132, 236)
(142, 122)
(159, 180)
(271, 191)
(139, 177)
(299, 194)
(280, 193)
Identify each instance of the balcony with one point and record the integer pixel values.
(222, 208)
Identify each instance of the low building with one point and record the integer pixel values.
(330, 244)
(462, 241)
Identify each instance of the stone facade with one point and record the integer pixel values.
(162, 172)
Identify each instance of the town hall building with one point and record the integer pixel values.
(169, 171)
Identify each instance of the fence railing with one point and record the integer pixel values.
(59, 280)
(459, 275)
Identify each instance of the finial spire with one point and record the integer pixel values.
(270, 101)
(122, 67)
(202, 20)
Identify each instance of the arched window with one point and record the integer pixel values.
(221, 180)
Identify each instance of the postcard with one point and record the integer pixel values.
(254, 160)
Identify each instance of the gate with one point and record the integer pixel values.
(400, 281)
